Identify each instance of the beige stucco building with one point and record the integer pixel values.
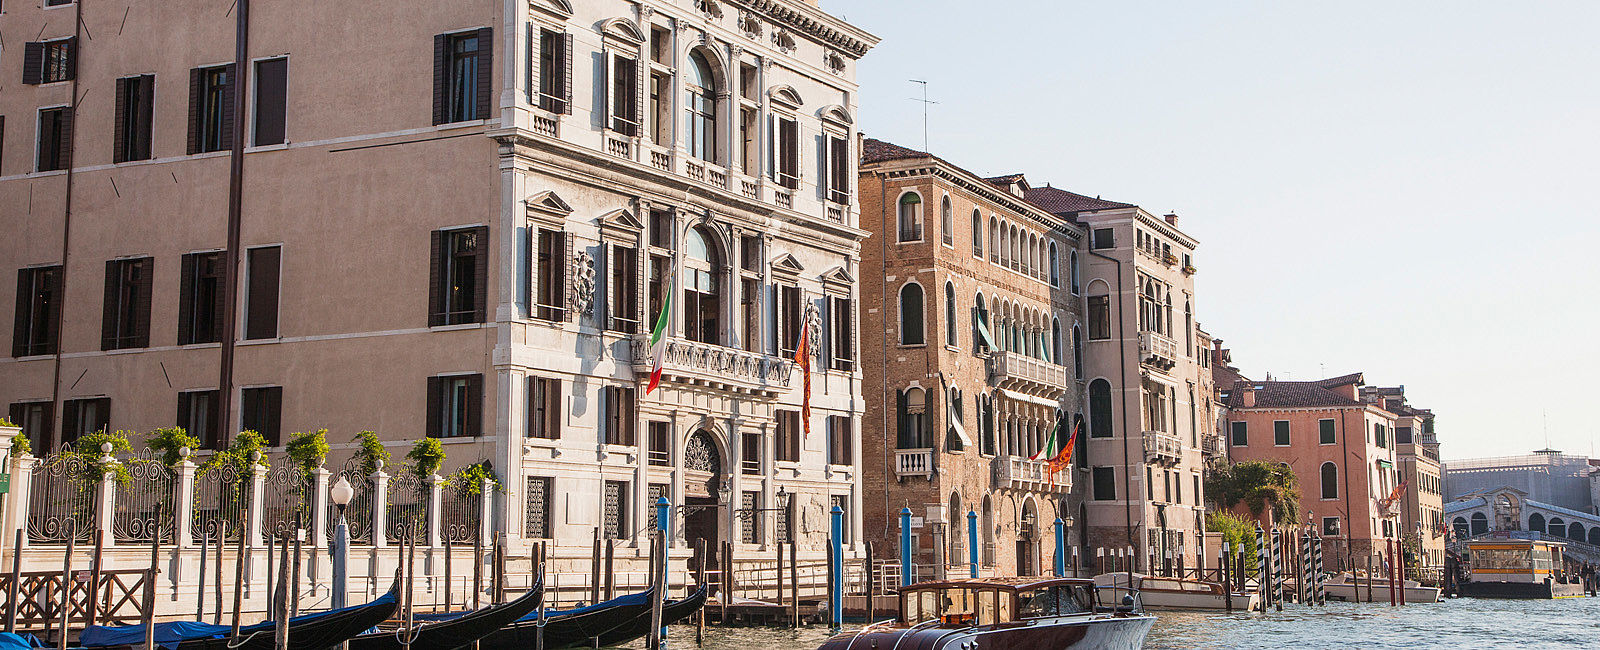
(464, 229)
(1417, 455)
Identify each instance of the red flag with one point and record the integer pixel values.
(1063, 460)
(802, 356)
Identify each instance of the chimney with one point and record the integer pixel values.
(1172, 219)
(1247, 395)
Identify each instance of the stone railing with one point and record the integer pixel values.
(1033, 373)
(715, 365)
(1162, 447)
(913, 462)
(1211, 444)
(1157, 350)
(1022, 473)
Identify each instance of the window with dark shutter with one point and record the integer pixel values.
(455, 406)
(38, 423)
(38, 312)
(459, 266)
(550, 291)
(55, 139)
(618, 409)
(839, 169)
(199, 415)
(787, 152)
(462, 74)
(624, 99)
(211, 109)
(624, 308)
(1105, 484)
(81, 417)
(789, 311)
(660, 451)
(544, 408)
(261, 302)
(553, 92)
(839, 440)
(1099, 318)
(841, 334)
(271, 106)
(787, 436)
(133, 117)
(200, 294)
(50, 61)
(126, 316)
(261, 410)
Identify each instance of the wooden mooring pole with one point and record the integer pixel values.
(872, 583)
(66, 586)
(16, 583)
(594, 569)
(794, 586)
(92, 596)
(700, 580)
(147, 609)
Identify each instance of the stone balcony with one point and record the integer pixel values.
(913, 462)
(1025, 373)
(1157, 350)
(1211, 444)
(1162, 448)
(714, 366)
(1022, 474)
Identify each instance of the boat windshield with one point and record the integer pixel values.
(1054, 601)
(958, 606)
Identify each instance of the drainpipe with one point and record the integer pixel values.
(1122, 365)
(1344, 445)
(66, 219)
(230, 286)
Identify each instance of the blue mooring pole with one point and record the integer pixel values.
(972, 541)
(905, 546)
(836, 567)
(1061, 548)
(663, 510)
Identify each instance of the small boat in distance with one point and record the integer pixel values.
(1353, 588)
(1018, 613)
(1517, 568)
(1157, 592)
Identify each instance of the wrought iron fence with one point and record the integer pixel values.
(288, 498)
(221, 499)
(149, 490)
(408, 506)
(358, 513)
(461, 513)
(61, 502)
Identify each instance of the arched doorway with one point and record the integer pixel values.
(1027, 539)
(1460, 526)
(1536, 522)
(1480, 523)
(702, 496)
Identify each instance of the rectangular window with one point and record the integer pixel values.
(544, 408)
(658, 281)
(38, 422)
(616, 509)
(126, 321)
(660, 451)
(554, 92)
(749, 141)
(1105, 484)
(38, 314)
(1241, 437)
(50, 61)
(134, 114)
(750, 305)
(1402, 435)
(261, 299)
(1381, 434)
(455, 406)
(272, 101)
(840, 433)
(261, 411)
(618, 406)
(211, 109)
(624, 309)
(462, 71)
(460, 268)
(841, 333)
(1099, 318)
(1330, 526)
(1325, 434)
(839, 170)
(789, 310)
(1103, 239)
(660, 114)
(1280, 433)
(624, 95)
(55, 140)
(550, 277)
(786, 152)
(788, 436)
(536, 507)
(750, 453)
(199, 413)
(81, 417)
(750, 531)
(200, 305)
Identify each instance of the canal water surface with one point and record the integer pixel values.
(1460, 623)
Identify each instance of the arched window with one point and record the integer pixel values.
(1077, 351)
(1028, 247)
(947, 223)
(1480, 523)
(986, 530)
(702, 108)
(1055, 267)
(977, 234)
(913, 419)
(949, 314)
(958, 530)
(1594, 535)
(702, 304)
(1330, 481)
(1100, 409)
(910, 217)
(986, 425)
(1080, 449)
(1005, 244)
(994, 241)
(1536, 522)
(911, 314)
(1460, 526)
(1575, 531)
(1074, 272)
(1188, 328)
(1055, 343)
(1016, 249)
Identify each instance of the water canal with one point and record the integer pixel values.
(1460, 623)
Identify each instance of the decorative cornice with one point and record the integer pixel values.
(992, 194)
(815, 24)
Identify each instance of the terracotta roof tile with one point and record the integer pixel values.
(1058, 201)
(1292, 394)
(873, 150)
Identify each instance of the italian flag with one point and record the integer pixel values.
(658, 341)
(1049, 448)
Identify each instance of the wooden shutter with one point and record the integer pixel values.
(19, 331)
(108, 314)
(52, 286)
(435, 285)
(197, 77)
(485, 72)
(900, 419)
(552, 408)
(789, 134)
(72, 58)
(141, 323)
(119, 133)
(435, 407)
(231, 71)
(566, 74)
(64, 142)
(441, 76)
(531, 79)
(219, 298)
(69, 419)
(480, 274)
(2, 140)
(641, 75)
(261, 307)
(273, 398)
(272, 88)
(474, 406)
(145, 120)
(562, 282)
(186, 299)
(33, 64)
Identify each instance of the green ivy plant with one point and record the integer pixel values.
(87, 449)
(370, 452)
(1238, 531)
(21, 444)
(307, 451)
(238, 454)
(170, 441)
(425, 457)
(468, 481)
(5, 422)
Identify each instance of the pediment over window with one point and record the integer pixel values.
(548, 202)
(837, 275)
(787, 264)
(560, 8)
(835, 114)
(621, 218)
(785, 95)
(622, 28)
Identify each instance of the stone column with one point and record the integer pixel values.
(380, 507)
(319, 507)
(258, 481)
(485, 526)
(435, 504)
(183, 506)
(107, 495)
(20, 498)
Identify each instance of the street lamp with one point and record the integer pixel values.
(340, 550)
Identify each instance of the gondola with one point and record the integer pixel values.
(456, 632)
(309, 632)
(571, 628)
(671, 612)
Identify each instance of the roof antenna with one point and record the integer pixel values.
(925, 104)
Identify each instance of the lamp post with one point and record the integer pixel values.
(340, 550)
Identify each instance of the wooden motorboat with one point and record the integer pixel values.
(455, 632)
(1055, 613)
(306, 632)
(1157, 592)
(1347, 586)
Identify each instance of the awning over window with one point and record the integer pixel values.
(983, 330)
(1385, 464)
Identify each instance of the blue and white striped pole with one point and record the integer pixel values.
(1061, 548)
(972, 541)
(905, 546)
(836, 567)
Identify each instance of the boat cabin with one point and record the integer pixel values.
(1514, 560)
(996, 600)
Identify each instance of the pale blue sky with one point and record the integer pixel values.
(1399, 188)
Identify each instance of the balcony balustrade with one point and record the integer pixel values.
(1157, 350)
(715, 366)
(1015, 370)
(1162, 448)
(1211, 445)
(913, 462)
(1023, 474)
